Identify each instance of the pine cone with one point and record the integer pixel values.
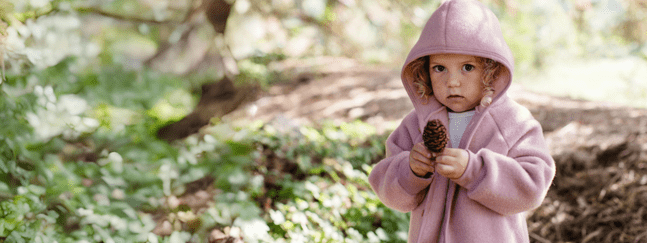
(435, 136)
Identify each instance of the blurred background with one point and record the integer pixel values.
(250, 120)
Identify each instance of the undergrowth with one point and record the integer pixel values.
(80, 163)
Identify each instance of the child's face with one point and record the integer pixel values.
(456, 81)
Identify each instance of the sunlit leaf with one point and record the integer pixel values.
(239, 148)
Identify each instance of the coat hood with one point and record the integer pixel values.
(459, 27)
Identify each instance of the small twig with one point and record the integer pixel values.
(640, 236)
(539, 238)
(122, 17)
(558, 231)
(611, 234)
(592, 235)
(616, 218)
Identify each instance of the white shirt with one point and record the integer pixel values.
(457, 125)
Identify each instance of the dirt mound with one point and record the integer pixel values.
(600, 190)
(335, 89)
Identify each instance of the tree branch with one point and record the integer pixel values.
(123, 17)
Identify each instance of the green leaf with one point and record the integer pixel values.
(3, 167)
(238, 148)
(37, 190)
(179, 237)
(4, 188)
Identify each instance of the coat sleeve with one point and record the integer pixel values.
(514, 182)
(392, 179)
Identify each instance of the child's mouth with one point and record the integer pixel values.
(454, 97)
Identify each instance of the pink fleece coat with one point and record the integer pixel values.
(510, 168)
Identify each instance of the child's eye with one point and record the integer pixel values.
(438, 68)
(468, 67)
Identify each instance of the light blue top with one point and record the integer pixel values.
(457, 125)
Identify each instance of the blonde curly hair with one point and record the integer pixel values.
(421, 79)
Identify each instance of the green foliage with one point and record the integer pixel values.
(255, 71)
(6, 8)
(520, 33)
(106, 180)
(15, 136)
(328, 198)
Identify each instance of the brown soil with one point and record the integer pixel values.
(328, 88)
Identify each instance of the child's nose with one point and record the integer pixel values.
(454, 80)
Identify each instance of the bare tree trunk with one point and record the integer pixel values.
(217, 98)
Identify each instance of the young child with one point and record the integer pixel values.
(496, 165)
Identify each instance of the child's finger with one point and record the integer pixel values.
(421, 158)
(445, 160)
(452, 163)
(444, 169)
(420, 148)
(423, 166)
(420, 168)
(453, 152)
(450, 156)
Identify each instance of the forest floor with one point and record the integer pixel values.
(599, 193)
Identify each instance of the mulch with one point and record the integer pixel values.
(599, 193)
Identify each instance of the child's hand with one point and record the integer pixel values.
(452, 162)
(419, 160)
